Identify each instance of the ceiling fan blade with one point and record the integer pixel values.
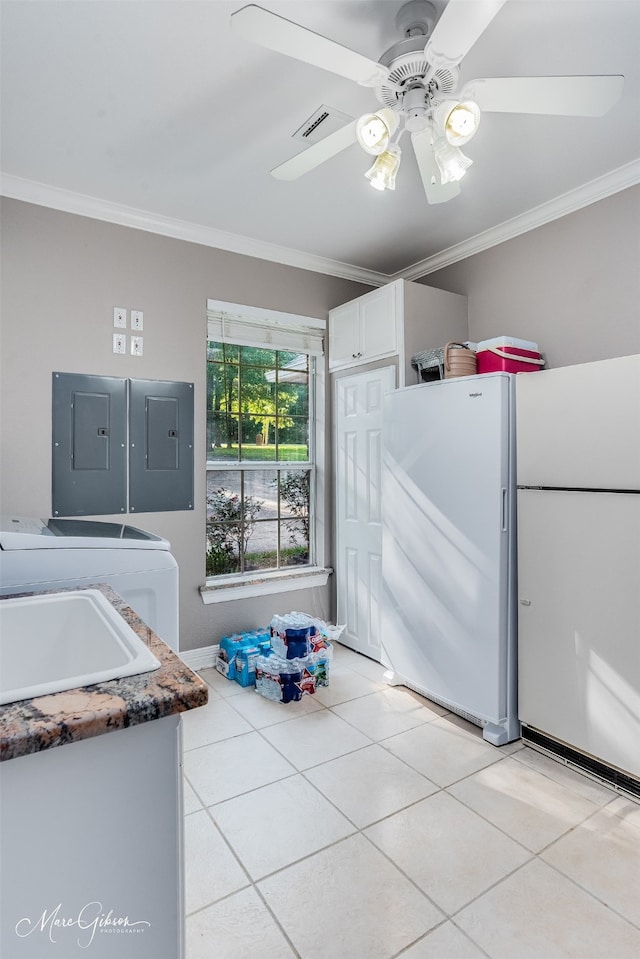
(562, 96)
(436, 191)
(269, 30)
(323, 150)
(461, 24)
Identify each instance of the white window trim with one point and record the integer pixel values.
(226, 588)
(222, 589)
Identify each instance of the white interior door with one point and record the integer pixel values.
(358, 485)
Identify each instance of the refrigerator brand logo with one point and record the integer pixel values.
(475, 394)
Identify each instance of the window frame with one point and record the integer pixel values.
(273, 326)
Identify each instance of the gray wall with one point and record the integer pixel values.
(572, 286)
(61, 277)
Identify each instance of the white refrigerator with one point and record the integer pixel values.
(448, 547)
(579, 564)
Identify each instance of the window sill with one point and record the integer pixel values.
(227, 588)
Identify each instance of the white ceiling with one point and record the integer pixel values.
(158, 107)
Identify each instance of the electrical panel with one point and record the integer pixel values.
(89, 457)
(160, 446)
(121, 445)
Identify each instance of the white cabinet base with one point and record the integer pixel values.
(91, 848)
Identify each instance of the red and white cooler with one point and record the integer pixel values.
(505, 354)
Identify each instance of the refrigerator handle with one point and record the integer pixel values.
(504, 509)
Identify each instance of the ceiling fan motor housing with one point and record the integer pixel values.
(407, 63)
(415, 106)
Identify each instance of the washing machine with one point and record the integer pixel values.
(40, 554)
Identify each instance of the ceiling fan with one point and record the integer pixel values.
(416, 82)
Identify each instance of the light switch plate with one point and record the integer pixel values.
(119, 343)
(120, 317)
(137, 317)
(136, 345)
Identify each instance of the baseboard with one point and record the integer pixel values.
(202, 658)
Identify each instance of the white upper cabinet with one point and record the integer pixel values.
(366, 329)
(396, 320)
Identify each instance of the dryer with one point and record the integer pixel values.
(40, 554)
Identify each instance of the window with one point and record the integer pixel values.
(262, 467)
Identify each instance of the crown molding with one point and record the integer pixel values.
(613, 182)
(67, 201)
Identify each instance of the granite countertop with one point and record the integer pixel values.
(31, 725)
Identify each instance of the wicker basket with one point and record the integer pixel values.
(459, 360)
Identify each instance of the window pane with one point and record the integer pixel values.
(222, 437)
(230, 389)
(255, 356)
(256, 434)
(222, 387)
(294, 543)
(231, 353)
(262, 486)
(225, 527)
(293, 398)
(293, 442)
(294, 506)
(256, 389)
(262, 550)
(232, 514)
(286, 406)
(288, 359)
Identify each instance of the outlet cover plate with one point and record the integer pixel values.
(120, 317)
(119, 343)
(137, 318)
(136, 345)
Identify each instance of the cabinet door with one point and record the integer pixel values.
(579, 667)
(344, 335)
(379, 323)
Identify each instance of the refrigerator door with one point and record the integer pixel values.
(579, 620)
(446, 533)
(577, 426)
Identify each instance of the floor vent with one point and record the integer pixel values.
(321, 123)
(583, 762)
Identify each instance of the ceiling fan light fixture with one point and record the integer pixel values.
(452, 162)
(382, 175)
(374, 130)
(458, 120)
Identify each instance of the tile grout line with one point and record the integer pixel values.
(357, 830)
(360, 830)
(590, 893)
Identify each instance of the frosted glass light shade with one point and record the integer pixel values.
(374, 130)
(452, 162)
(458, 121)
(382, 174)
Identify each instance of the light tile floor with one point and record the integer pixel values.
(367, 823)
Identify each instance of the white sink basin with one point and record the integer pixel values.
(63, 640)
